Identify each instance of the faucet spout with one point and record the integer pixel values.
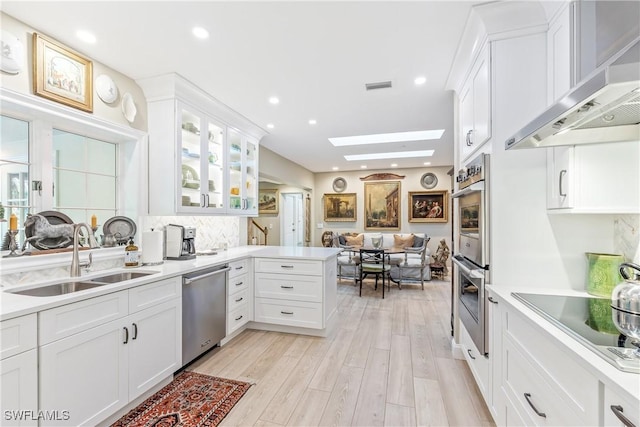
(75, 259)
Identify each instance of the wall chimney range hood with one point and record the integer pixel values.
(604, 107)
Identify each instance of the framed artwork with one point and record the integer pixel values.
(268, 201)
(382, 205)
(428, 206)
(61, 74)
(340, 207)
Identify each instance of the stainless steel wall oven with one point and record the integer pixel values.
(472, 258)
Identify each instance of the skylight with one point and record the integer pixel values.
(382, 138)
(393, 155)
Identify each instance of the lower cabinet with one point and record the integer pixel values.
(239, 295)
(19, 388)
(93, 373)
(620, 411)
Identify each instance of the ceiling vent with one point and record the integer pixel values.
(378, 85)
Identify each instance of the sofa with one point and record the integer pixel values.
(412, 266)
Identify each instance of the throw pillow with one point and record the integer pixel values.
(342, 239)
(403, 241)
(355, 240)
(417, 241)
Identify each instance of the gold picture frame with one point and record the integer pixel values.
(428, 206)
(382, 205)
(62, 74)
(340, 207)
(268, 201)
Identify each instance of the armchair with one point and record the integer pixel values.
(414, 258)
(347, 259)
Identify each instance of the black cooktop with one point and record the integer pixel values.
(588, 319)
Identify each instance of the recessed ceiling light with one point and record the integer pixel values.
(363, 166)
(426, 163)
(86, 36)
(200, 32)
(420, 80)
(394, 155)
(394, 165)
(381, 138)
(335, 168)
(312, 122)
(270, 125)
(274, 100)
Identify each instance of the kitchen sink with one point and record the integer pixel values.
(58, 289)
(81, 284)
(121, 277)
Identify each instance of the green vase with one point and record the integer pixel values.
(603, 274)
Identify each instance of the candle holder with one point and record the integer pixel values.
(12, 244)
(94, 229)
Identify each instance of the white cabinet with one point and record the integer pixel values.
(479, 364)
(594, 178)
(201, 148)
(559, 53)
(239, 295)
(18, 371)
(99, 369)
(620, 411)
(475, 106)
(243, 174)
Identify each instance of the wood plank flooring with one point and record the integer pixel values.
(388, 363)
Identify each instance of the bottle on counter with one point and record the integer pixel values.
(131, 255)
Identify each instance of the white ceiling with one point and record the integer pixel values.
(315, 56)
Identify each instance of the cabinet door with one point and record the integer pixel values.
(482, 100)
(243, 174)
(19, 380)
(251, 176)
(619, 411)
(466, 120)
(214, 165)
(235, 168)
(560, 171)
(154, 346)
(85, 374)
(559, 55)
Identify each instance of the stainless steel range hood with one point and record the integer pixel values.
(604, 107)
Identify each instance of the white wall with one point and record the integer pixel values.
(411, 182)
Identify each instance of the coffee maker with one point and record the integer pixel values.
(179, 242)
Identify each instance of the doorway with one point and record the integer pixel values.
(292, 225)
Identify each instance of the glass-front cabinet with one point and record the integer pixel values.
(243, 173)
(201, 142)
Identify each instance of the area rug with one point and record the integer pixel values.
(191, 399)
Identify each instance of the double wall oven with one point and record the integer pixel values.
(472, 258)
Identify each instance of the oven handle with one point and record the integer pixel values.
(473, 188)
(473, 273)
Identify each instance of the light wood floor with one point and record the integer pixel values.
(387, 363)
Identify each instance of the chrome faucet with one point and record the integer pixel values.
(75, 260)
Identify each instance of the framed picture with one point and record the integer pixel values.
(268, 201)
(382, 205)
(61, 74)
(340, 207)
(428, 206)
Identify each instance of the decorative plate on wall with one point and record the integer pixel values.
(128, 107)
(339, 185)
(106, 88)
(12, 58)
(429, 180)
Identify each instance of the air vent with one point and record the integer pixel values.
(378, 85)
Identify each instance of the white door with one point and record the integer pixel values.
(19, 386)
(292, 220)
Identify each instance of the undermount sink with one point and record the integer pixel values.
(81, 284)
(120, 277)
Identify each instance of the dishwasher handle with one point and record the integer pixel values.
(189, 280)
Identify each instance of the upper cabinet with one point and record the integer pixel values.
(560, 53)
(475, 105)
(202, 152)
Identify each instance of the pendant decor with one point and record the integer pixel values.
(381, 177)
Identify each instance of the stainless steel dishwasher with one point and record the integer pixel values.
(204, 310)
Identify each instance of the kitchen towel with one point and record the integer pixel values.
(152, 247)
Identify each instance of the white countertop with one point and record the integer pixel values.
(14, 305)
(622, 382)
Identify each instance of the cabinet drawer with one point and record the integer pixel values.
(289, 266)
(239, 267)
(238, 284)
(578, 386)
(522, 381)
(627, 407)
(237, 299)
(18, 334)
(155, 293)
(279, 312)
(478, 363)
(70, 319)
(237, 318)
(289, 287)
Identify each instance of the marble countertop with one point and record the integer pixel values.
(623, 382)
(14, 305)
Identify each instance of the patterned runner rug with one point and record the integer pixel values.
(191, 399)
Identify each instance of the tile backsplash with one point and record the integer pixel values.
(626, 237)
(211, 231)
